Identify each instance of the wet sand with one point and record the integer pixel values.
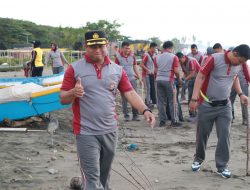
(164, 155)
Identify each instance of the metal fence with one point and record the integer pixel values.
(20, 56)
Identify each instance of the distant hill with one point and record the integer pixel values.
(15, 33)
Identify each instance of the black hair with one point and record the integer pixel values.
(36, 43)
(243, 50)
(153, 44)
(194, 46)
(168, 44)
(125, 44)
(55, 44)
(210, 51)
(179, 54)
(217, 45)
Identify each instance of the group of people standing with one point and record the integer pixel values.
(91, 85)
(213, 81)
(163, 79)
(34, 68)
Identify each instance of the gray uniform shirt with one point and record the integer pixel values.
(98, 105)
(219, 80)
(165, 63)
(127, 63)
(150, 63)
(56, 57)
(198, 56)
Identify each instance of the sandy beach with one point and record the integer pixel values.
(164, 156)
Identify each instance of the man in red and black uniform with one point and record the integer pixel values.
(91, 85)
(214, 83)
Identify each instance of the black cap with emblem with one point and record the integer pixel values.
(95, 37)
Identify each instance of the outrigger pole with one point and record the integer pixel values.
(5, 129)
(247, 141)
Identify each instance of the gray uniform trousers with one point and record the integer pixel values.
(148, 81)
(125, 102)
(147, 89)
(190, 93)
(96, 154)
(179, 112)
(165, 94)
(207, 116)
(183, 89)
(57, 70)
(244, 87)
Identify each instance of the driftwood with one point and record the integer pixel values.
(10, 123)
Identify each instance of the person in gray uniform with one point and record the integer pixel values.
(190, 68)
(217, 47)
(57, 59)
(166, 66)
(148, 74)
(91, 85)
(199, 57)
(244, 79)
(195, 53)
(127, 60)
(212, 90)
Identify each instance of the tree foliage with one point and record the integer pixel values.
(156, 40)
(177, 44)
(111, 29)
(15, 33)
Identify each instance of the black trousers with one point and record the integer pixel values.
(178, 101)
(37, 71)
(152, 88)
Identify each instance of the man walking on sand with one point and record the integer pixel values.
(91, 85)
(127, 60)
(166, 66)
(148, 74)
(214, 83)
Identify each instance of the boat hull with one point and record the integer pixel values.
(44, 81)
(37, 105)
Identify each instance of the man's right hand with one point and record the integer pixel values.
(78, 90)
(193, 105)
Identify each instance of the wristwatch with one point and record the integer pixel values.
(194, 100)
(240, 94)
(147, 109)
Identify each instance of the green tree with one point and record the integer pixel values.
(177, 44)
(156, 40)
(111, 29)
